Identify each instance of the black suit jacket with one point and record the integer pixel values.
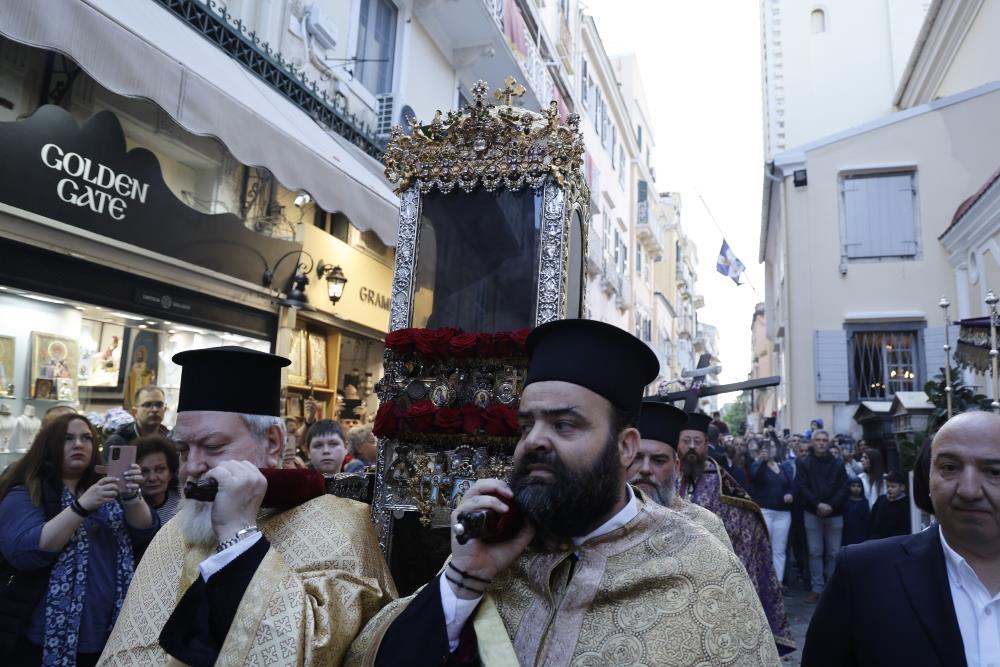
(888, 603)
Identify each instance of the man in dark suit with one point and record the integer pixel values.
(929, 599)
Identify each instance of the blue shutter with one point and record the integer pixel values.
(879, 216)
(832, 377)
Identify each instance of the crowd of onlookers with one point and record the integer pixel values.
(69, 533)
(816, 493)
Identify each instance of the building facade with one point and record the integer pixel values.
(830, 66)
(271, 118)
(853, 225)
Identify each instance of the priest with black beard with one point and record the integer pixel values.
(706, 483)
(596, 574)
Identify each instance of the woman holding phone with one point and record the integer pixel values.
(66, 537)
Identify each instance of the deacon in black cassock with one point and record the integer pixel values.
(596, 574)
(229, 581)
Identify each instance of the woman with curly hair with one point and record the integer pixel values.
(66, 537)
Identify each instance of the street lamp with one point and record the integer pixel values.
(991, 301)
(296, 296)
(944, 304)
(335, 280)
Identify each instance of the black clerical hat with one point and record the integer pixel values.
(697, 422)
(601, 357)
(230, 379)
(662, 422)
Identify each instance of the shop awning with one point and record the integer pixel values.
(136, 48)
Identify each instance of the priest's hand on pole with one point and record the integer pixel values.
(474, 564)
(241, 490)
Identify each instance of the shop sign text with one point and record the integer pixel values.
(92, 184)
(374, 298)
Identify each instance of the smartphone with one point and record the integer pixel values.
(120, 459)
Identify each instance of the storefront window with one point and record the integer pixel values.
(360, 368)
(59, 352)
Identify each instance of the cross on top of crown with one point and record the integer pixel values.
(510, 90)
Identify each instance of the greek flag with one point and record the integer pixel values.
(729, 264)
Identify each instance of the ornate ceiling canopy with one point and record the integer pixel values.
(495, 146)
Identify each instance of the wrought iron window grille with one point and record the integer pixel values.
(214, 22)
(884, 363)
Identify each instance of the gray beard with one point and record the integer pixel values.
(195, 523)
(667, 493)
(663, 494)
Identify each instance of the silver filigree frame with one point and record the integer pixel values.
(407, 245)
(559, 203)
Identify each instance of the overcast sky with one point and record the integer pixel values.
(700, 65)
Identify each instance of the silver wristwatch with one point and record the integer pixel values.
(246, 531)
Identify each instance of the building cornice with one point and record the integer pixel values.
(979, 225)
(786, 162)
(944, 29)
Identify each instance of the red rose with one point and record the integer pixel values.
(463, 345)
(400, 341)
(472, 419)
(421, 415)
(502, 344)
(484, 344)
(434, 342)
(386, 420)
(519, 338)
(448, 420)
(499, 420)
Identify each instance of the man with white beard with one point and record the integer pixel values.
(654, 468)
(229, 581)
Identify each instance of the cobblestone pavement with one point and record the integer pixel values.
(799, 612)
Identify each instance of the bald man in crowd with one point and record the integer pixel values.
(933, 598)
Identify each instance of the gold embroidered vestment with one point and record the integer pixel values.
(658, 591)
(321, 580)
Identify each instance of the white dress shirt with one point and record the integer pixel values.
(216, 562)
(457, 612)
(977, 611)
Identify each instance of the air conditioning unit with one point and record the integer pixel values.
(324, 32)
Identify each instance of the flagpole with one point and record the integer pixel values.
(723, 234)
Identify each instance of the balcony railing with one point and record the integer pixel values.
(623, 299)
(535, 70)
(595, 254)
(214, 22)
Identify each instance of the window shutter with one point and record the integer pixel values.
(878, 216)
(832, 379)
(934, 350)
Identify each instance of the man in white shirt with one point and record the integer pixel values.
(608, 577)
(940, 587)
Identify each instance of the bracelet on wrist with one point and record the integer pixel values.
(131, 500)
(79, 509)
(466, 575)
(463, 586)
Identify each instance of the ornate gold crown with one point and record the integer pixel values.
(486, 144)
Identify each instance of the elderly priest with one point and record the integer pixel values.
(595, 575)
(654, 468)
(230, 582)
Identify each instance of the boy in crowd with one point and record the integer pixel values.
(857, 519)
(891, 513)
